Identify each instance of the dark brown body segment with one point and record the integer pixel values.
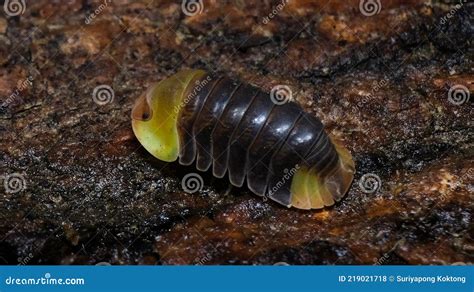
(207, 119)
(277, 127)
(228, 121)
(237, 128)
(249, 126)
(303, 137)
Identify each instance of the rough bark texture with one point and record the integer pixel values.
(92, 194)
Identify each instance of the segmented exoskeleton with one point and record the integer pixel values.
(280, 150)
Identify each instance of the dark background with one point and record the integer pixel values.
(83, 191)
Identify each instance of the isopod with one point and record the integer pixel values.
(281, 151)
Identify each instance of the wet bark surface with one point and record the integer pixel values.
(77, 187)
